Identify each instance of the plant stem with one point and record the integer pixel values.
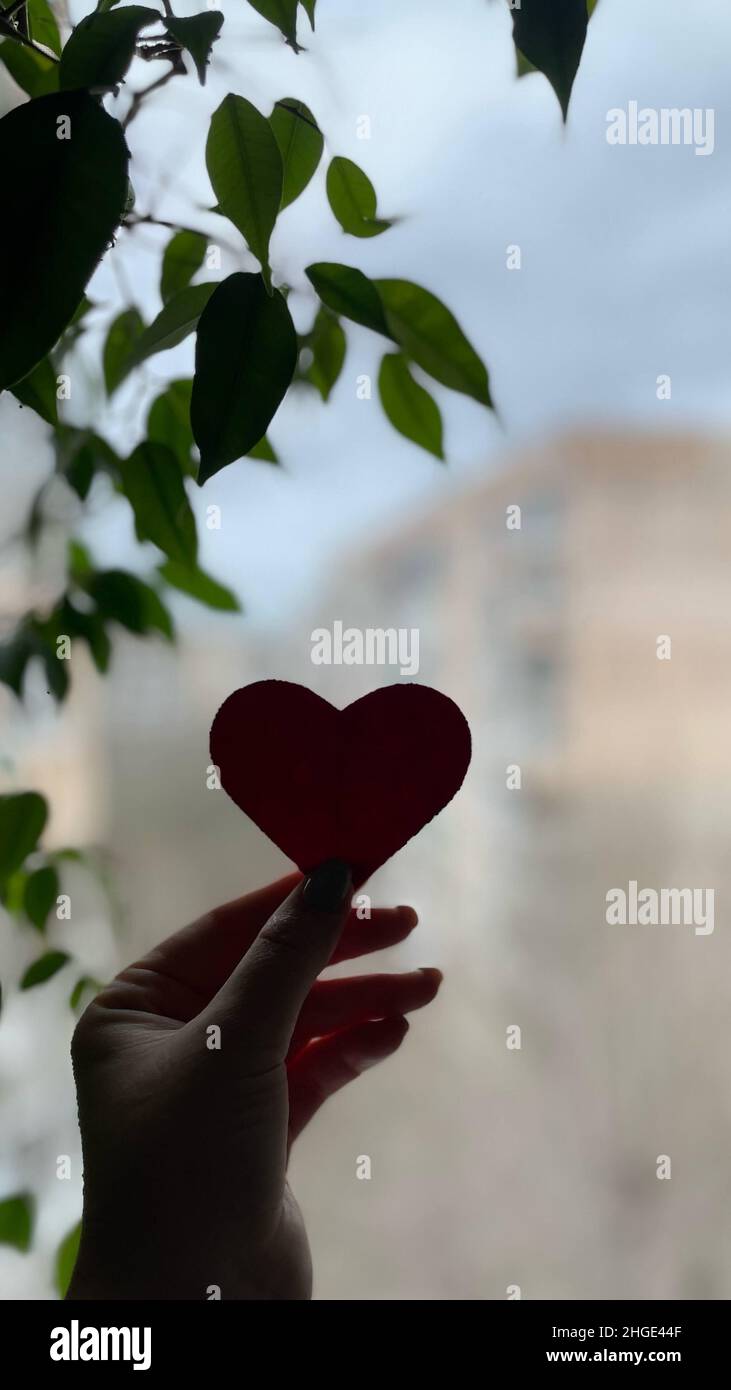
(139, 97)
(11, 33)
(147, 220)
(12, 7)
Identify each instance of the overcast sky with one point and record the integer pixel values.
(626, 256)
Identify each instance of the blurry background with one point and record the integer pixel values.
(490, 1167)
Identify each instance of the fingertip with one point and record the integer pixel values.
(328, 888)
(408, 915)
(433, 976)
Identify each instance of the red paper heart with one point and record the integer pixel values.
(352, 784)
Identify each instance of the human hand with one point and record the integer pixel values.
(185, 1129)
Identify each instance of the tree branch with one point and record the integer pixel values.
(140, 96)
(147, 220)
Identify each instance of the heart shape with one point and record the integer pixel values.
(352, 784)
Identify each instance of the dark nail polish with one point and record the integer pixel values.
(328, 886)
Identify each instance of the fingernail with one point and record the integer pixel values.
(328, 886)
(435, 974)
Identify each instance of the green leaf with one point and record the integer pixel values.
(352, 198)
(198, 34)
(16, 1221)
(198, 585)
(79, 561)
(64, 217)
(245, 169)
(85, 305)
(41, 891)
(153, 484)
(349, 292)
(89, 627)
(84, 985)
(56, 668)
(42, 25)
(124, 333)
(57, 674)
(14, 657)
(38, 390)
(428, 333)
(102, 47)
(184, 255)
(80, 454)
(263, 451)
(410, 408)
(23, 816)
(300, 144)
(127, 600)
(100, 647)
(44, 968)
(35, 638)
(34, 73)
(175, 321)
(552, 37)
(34, 525)
(283, 13)
(74, 330)
(245, 358)
(413, 317)
(327, 344)
(168, 422)
(591, 6)
(309, 7)
(78, 468)
(12, 893)
(66, 1257)
(524, 67)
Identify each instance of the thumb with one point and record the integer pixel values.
(263, 996)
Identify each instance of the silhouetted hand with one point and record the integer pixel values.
(196, 1068)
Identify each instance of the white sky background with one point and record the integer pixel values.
(626, 259)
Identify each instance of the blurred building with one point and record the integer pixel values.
(547, 636)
